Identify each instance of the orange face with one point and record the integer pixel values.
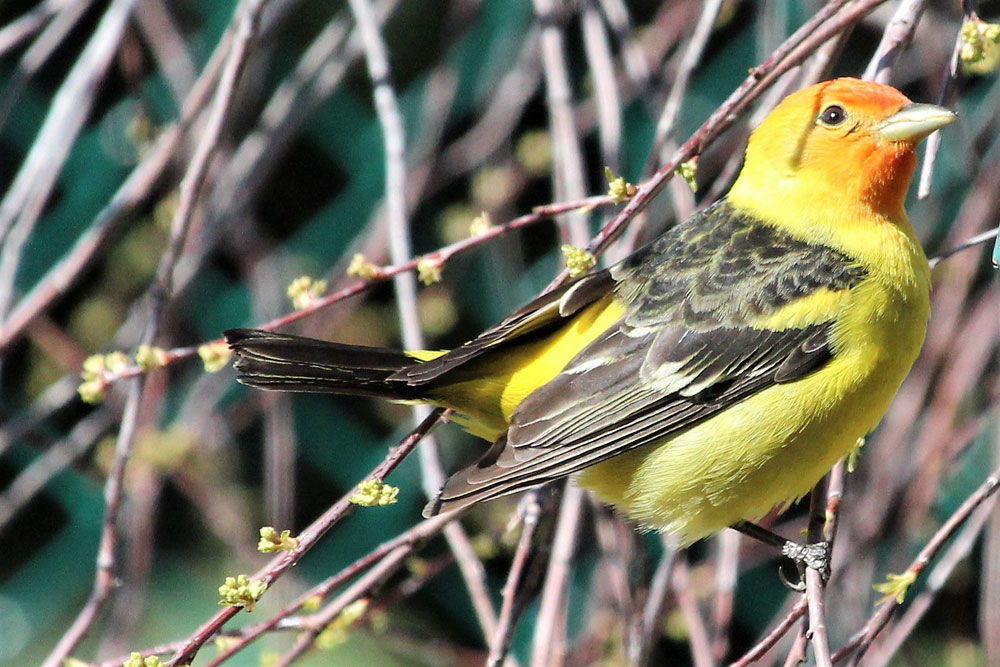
(830, 134)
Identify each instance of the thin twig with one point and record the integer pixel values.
(307, 539)
(167, 45)
(815, 585)
(681, 196)
(948, 88)
(692, 56)
(636, 67)
(977, 240)
(391, 120)
(973, 347)
(316, 75)
(895, 38)
(39, 53)
(550, 643)
(611, 583)
(159, 292)
(144, 490)
(569, 177)
(411, 538)
(497, 120)
(500, 642)
(938, 577)
(860, 642)
(989, 605)
(726, 576)
(137, 188)
(774, 636)
(34, 477)
(698, 641)
(23, 203)
(55, 398)
(656, 604)
(798, 652)
(606, 95)
(318, 622)
(22, 28)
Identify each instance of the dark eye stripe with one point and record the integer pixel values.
(833, 115)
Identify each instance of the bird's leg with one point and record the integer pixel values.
(815, 555)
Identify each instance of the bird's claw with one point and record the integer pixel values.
(815, 555)
(796, 586)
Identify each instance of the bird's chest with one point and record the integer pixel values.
(879, 335)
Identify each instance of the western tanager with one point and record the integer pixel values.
(717, 372)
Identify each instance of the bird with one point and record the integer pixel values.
(712, 375)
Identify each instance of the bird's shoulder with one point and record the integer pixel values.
(726, 267)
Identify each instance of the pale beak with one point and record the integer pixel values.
(914, 122)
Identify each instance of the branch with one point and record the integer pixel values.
(159, 292)
(509, 610)
(307, 538)
(861, 641)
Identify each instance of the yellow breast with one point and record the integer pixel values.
(773, 447)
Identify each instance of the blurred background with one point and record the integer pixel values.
(102, 107)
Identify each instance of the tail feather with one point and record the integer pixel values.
(277, 361)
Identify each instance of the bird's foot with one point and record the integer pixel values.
(815, 556)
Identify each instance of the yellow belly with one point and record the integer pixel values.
(772, 448)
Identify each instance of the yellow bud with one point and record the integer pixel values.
(429, 270)
(360, 267)
(215, 356)
(304, 290)
(687, 171)
(93, 366)
(372, 492)
(93, 391)
(480, 225)
(271, 541)
(896, 586)
(578, 260)
(117, 362)
(970, 53)
(241, 591)
(618, 189)
(980, 52)
(970, 31)
(149, 357)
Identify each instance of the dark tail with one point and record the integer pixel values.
(282, 362)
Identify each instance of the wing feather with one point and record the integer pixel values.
(550, 310)
(686, 348)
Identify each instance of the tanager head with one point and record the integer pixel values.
(846, 143)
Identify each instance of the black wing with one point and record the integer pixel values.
(685, 350)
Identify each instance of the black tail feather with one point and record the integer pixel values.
(283, 362)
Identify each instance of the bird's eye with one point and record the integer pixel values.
(833, 115)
